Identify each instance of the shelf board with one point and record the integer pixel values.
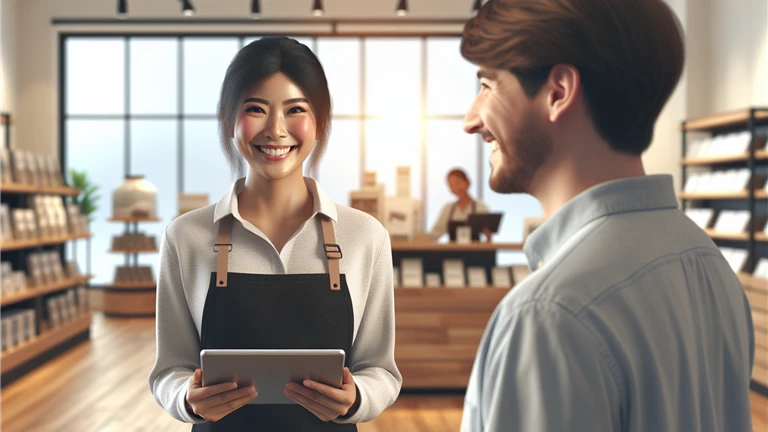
(761, 237)
(15, 188)
(727, 235)
(132, 251)
(133, 219)
(759, 194)
(28, 244)
(712, 160)
(48, 339)
(723, 121)
(132, 285)
(399, 246)
(42, 290)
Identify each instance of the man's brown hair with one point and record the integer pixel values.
(629, 54)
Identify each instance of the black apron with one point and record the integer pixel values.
(452, 224)
(265, 311)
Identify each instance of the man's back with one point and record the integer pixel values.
(634, 322)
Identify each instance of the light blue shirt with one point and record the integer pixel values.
(632, 320)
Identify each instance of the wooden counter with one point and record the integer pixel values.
(438, 331)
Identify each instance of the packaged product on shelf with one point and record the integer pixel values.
(396, 276)
(6, 173)
(19, 217)
(56, 264)
(432, 280)
(19, 162)
(20, 281)
(412, 272)
(31, 224)
(34, 171)
(453, 273)
(501, 277)
(74, 309)
(18, 326)
(8, 342)
(43, 167)
(6, 278)
(54, 315)
(3, 339)
(30, 330)
(6, 229)
(477, 277)
(66, 316)
(83, 304)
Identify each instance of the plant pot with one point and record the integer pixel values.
(135, 198)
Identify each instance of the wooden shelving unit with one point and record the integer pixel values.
(759, 194)
(728, 120)
(28, 244)
(754, 241)
(46, 340)
(49, 342)
(724, 159)
(475, 246)
(131, 299)
(43, 290)
(15, 188)
(438, 333)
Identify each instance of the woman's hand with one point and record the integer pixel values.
(215, 402)
(325, 402)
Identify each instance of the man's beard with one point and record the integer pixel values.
(521, 158)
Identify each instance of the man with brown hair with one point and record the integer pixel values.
(632, 320)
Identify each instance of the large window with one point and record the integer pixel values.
(147, 106)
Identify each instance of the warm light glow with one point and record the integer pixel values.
(402, 12)
(317, 12)
(189, 12)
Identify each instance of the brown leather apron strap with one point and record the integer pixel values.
(332, 251)
(222, 247)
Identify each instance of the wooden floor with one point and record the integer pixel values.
(101, 385)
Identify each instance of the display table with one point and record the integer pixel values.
(438, 330)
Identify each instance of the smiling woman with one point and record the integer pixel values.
(291, 268)
(279, 75)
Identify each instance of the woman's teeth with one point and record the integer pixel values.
(276, 152)
(494, 145)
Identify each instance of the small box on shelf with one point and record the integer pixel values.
(453, 273)
(502, 277)
(17, 327)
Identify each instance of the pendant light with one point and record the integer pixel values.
(187, 8)
(317, 8)
(255, 9)
(402, 8)
(477, 6)
(122, 8)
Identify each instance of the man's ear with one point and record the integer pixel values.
(564, 85)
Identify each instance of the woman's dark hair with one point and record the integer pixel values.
(458, 172)
(254, 63)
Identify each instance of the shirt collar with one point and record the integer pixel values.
(322, 203)
(650, 192)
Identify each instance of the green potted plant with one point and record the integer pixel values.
(87, 198)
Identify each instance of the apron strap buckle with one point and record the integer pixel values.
(331, 249)
(216, 246)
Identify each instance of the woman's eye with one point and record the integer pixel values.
(296, 109)
(254, 109)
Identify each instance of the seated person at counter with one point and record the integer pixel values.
(455, 214)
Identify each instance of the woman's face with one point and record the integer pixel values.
(458, 185)
(275, 129)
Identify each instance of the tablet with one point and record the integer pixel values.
(480, 221)
(269, 370)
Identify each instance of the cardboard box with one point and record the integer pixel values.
(433, 280)
(477, 277)
(6, 169)
(403, 181)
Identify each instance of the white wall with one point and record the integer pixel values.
(739, 61)
(8, 13)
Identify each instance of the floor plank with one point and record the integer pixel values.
(101, 385)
